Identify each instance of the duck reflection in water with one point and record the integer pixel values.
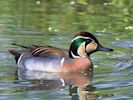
(78, 82)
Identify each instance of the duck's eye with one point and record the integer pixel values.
(87, 41)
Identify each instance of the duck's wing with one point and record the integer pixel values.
(44, 50)
(37, 50)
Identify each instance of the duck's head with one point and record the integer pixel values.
(83, 44)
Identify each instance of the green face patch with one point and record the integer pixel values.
(78, 41)
(75, 45)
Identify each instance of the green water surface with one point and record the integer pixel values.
(54, 22)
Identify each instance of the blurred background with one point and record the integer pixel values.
(54, 22)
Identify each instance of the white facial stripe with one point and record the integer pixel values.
(74, 56)
(80, 37)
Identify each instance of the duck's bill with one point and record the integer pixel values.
(101, 48)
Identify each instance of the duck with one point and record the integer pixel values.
(52, 59)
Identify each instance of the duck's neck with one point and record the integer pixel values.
(78, 65)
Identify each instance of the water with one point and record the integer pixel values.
(54, 22)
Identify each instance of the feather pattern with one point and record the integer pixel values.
(42, 51)
(36, 50)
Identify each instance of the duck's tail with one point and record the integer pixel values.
(19, 45)
(16, 54)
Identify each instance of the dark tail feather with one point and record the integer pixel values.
(19, 45)
(16, 54)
